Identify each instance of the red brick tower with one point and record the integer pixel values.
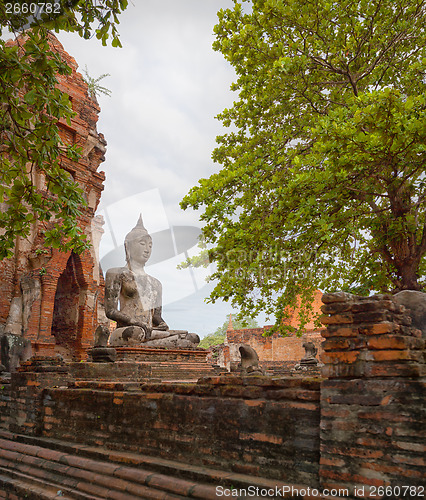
(51, 297)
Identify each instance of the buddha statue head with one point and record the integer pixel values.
(138, 245)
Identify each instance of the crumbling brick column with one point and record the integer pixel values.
(45, 342)
(25, 404)
(372, 427)
(29, 281)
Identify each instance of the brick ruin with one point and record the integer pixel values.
(358, 427)
(117, 430)
(278, 354)
(47, 297)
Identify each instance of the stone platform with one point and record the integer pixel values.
(142, 364)
(161, 354)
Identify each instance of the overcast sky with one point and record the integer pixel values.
(167, 86)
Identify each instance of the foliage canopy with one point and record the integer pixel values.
(322, 180)
(30, 109)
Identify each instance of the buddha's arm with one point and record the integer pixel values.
(112, 297)
(157, 321)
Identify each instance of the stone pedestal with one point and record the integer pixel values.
(160, 354)
(145, 364)
(102, 355)
(169, 364)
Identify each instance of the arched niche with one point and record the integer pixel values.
(68, 310)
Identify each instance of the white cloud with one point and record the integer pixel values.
(167, 85)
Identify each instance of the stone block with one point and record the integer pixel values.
(395, 342)
(329, 298)
(337, 319)
(15, 350)
(103, 354)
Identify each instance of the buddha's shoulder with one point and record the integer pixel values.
(154, 280)
(116, 272)
(148, 279)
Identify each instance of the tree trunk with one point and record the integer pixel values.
(408, 276)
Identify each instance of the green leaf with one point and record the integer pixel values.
(30, 96)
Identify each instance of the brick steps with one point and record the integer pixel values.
(45, 466)
(17, 485)
(73, 482)
(26, 468)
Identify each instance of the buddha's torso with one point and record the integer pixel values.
(140, 294)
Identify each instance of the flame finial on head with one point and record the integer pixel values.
(138, 231)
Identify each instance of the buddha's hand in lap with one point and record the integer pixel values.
(163, 326)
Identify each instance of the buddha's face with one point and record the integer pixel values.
(139, 249)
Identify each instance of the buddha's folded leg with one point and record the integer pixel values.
(127, 335)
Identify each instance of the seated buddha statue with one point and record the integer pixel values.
(133, 299)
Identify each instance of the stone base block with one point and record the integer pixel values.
(145, 364)
(160, 354)
(102, 354)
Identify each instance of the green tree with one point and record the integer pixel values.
(322, 184)
(218, 336)
(30, 109)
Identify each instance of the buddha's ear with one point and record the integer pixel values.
(127, 253)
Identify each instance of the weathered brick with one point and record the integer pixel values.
(394, 369)
(378, 328)
(394, 355)
(334, 462)
(340, 357)
(375, 306)
(329, 298)
(395, 342)
(337, 319)
(336, 307)
(340, 331)
(338, 343)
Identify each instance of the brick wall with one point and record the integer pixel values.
(361, 427)
(259, 426)
(372, 404)
(23, 413)
(273, 347)
(5, 401)
(277, 347)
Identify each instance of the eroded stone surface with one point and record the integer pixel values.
(133, 299)
(415, 303)
(249, 361)
(310, 352)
